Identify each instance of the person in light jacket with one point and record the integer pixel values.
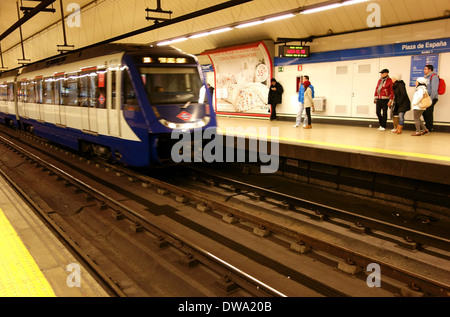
(301, 94)
(421, 88)
(308, 102)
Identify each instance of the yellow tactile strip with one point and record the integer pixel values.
(20, 276)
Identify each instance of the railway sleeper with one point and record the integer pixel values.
(160, 242)
(410, 244)
(203, 207)
(136, 227)
(349, 267)
(230, 218)
(411, 291)
(359, 228)
(300, 247)
(226, 285)
(118, 215)
(261, 231)
(181, 199)
(189, 260)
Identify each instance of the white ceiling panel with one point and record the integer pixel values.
(105, 19)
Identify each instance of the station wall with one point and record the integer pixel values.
(349, 86)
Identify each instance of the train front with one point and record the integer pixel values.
(177, 104)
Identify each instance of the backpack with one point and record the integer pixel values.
(442, 86)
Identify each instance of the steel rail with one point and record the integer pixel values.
(142, 220)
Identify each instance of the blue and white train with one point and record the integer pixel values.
(118, 101)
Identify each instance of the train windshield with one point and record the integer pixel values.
(171, 85)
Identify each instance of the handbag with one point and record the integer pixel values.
(426, 100)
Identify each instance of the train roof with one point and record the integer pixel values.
(106, 49)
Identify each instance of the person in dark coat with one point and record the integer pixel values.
(402, 103)
(275, 92)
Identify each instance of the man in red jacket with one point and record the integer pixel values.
(384, 96)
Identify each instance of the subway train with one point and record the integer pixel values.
(117, 101)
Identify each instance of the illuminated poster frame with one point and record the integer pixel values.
(242, 78)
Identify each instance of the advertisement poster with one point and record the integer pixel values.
(418, 63)
(242, 79)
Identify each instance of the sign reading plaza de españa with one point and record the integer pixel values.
(242, 78)
(422, 47)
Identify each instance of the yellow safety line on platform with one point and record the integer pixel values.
(353, 147)
(20, 276)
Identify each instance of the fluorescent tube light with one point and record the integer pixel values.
(181, 39)
(221, 30)
(249, 24)
(195, 36)
(346, 3)
(282, 17)
(328, 7)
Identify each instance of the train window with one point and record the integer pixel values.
(93, 90)
(113, 89)
(129, 94)
(38, 91)
(2, 92)
(22, 94)
(70, 91)
(83, 92)
(11, 92)
(59, 89)
(101, 86)
(31, 92)
(169, 85)
(49, 91)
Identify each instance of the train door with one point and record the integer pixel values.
(88, 100)
(60, 109)
(93, 101)
(113, 100)
(22, 99)
(365, 76)
(38, 98)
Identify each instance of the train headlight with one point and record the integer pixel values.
(186, 126)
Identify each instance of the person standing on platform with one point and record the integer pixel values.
(211, 89)
(402, 104)
(308, 102)
(384, 96)
(432, 87)
(301, 92)
(421, 88)
(275, 97)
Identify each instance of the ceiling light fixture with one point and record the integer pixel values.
(195, 36)
(346, 3)
(240, 26)
(328, 7)
(221, 30)
(331, 6)
(180, 39)
(282, 17)
(288, 14)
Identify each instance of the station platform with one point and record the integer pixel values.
(425, 157)
(33, 262)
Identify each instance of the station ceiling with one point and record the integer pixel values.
(106, 19)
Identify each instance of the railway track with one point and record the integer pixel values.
(226, 275)
(211, 204)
